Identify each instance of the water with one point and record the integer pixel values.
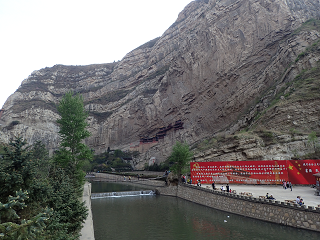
(99, 187)
(160, 217)
(123, 194)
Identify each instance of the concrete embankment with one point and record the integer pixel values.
(87, 231)
(263, 209)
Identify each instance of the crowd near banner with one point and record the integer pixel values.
(256, 172)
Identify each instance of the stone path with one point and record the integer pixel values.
(278, 192)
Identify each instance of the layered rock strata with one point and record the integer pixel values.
(206, 70)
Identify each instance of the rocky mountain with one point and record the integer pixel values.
(223, 66)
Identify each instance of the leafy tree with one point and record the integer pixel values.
(73, 153)
(180, 156)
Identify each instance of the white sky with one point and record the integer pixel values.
(35, 34)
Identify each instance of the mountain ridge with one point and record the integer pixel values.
(207, 69)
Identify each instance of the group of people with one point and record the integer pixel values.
(185, 180)
(270, 196)
(299, 200)
(224, 189)
(124, 178)
(227, 189)
(287, 185)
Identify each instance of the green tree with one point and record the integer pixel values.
(16, 169)
(45, 205)
(11, 229)
(73, 152)
(180, 156)
(69, 213)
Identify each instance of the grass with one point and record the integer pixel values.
(311, 24)
(207, 144)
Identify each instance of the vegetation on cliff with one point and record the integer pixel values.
(112, 160)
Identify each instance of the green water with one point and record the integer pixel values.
(161, 217)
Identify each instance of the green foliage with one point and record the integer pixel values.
(26, 229)
(69, 213)
(313, 139)
(40, 156)
(311, 24)
(159, 167)
(73, 153)
(45, 204)
(180, 156)
(16, 169)
(107, 160)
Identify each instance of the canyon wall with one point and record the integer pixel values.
(207, 70)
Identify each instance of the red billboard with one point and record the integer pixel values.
(255, 172)
(301, 171)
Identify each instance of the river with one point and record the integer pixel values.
(161, 217)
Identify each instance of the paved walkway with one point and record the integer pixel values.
(87, 232)
(278, 192)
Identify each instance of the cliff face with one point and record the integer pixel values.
(207, 70)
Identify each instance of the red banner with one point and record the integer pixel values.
(255, 172)
(301, 171)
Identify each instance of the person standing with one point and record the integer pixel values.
(199, 183)
(213, 185)
(284, 185)
(227, 188)
(290, 185)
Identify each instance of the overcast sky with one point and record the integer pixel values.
(41, 33)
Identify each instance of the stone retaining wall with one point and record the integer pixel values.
(262, 209)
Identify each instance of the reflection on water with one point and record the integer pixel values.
(161, 217)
